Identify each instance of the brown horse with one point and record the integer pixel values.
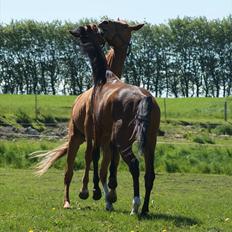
(121, 114)
(118, 35)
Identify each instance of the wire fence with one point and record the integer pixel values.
(218, 110)
(59, 107)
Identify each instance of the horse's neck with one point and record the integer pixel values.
(115, 59)
(98, 64)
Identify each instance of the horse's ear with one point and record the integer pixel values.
(136, 27)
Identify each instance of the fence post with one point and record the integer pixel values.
(165, 110)
(225, 111)
(36, 106)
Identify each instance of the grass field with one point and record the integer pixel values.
(179, 202)
(196, 109)
(181, 109)
(196, 141)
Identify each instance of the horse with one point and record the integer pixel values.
(121, 114)
(118, 35)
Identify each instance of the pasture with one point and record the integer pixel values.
(179, 202)
(188, 195)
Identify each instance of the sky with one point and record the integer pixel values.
(151, 11)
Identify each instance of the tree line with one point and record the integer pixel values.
(188, 57)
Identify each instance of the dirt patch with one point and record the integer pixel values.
(58, 131)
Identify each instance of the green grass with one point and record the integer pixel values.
(15, 153)
(171, 158)
(49, 107)
(196, 109)
(59, 107)
(179, 202)
(192, 158)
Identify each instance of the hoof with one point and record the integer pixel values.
(144, 214)
(67, 205)
(135, 206)
(84, 194)
(109, 206)
(111, 197)
(134, 212)
(97, 194)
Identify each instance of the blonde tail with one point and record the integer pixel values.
(48, 158)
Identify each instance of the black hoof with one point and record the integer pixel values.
(111, 197)
(144, 213)
(97, 194)
(84, 195)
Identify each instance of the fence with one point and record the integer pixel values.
(51, 109)
(212, 110)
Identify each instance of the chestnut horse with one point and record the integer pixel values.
(118, 35)
(121, 113)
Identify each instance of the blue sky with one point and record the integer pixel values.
(152, 11)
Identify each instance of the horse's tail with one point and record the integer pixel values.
(48, 158)
(142, 121)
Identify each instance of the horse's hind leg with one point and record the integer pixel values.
(149, 176)
(84, 193)
(96, 190)
(133, 165)
(74, 142)
(112, 184)
(103, 174)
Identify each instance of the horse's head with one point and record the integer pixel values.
(117, 33)
(89, 34)
(91, 42)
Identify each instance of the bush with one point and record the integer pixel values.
(172, 167)
(49, 120)
(202, 139)
(16, 153)
(169, 158)
(224, 129)
(23, 119)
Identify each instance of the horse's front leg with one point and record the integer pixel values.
(133, 165)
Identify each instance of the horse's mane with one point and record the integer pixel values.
(92, 48)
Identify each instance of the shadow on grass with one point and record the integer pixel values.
(177, 219)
